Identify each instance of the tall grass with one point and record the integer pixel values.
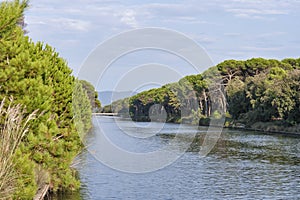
(14, 124)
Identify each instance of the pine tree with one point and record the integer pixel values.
(35, 75)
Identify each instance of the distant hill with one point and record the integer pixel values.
(107, 97)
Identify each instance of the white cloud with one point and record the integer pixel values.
(59, 24)
(271, 34)
(202, 38)
(260, 9)
(120, 16)
(185, 20)
(232, 34)
(256, 48)
(255, 13)
(71, 24)
(169, 9)
(211, 22)
(128, 18)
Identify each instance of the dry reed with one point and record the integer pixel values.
(14, 124)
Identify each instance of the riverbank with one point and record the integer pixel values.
(271, 128)
(276, 127)
(42, 192)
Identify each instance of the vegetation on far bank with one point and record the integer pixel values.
(259, 93)
(40, 81)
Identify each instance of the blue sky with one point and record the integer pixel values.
(227, 29)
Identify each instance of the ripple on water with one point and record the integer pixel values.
(243, 165)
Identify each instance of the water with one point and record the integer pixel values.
(242, 165)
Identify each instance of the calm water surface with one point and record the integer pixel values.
(243, 165)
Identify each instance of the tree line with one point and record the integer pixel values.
(244, 92)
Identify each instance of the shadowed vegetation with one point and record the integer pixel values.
(246, 93)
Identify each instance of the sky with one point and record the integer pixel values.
(226, 29)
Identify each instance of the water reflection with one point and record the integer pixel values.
(244, 165)
(72, 196)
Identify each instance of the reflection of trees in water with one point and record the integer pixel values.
(284, 151)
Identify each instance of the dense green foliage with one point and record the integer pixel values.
(92, 95)
(36, 77)
(251, 91)
(260, 90)
(82, 109)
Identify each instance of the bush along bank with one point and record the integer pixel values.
(38, 79)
